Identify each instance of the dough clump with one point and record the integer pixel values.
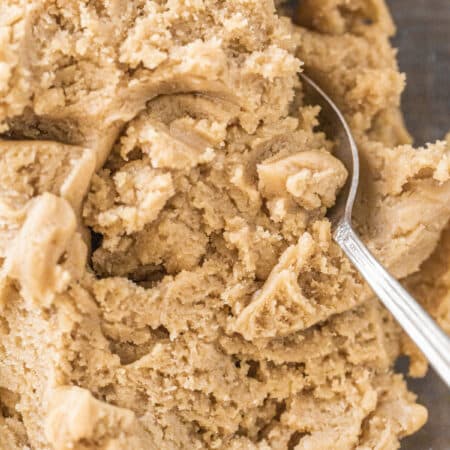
(168, 278)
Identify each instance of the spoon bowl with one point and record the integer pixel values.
(345, 150)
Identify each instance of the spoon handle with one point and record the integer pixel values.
(416, 322)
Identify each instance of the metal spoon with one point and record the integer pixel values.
(421, 328)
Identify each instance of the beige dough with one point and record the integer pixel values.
(167, 274)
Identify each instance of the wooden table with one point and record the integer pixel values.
(423, 40)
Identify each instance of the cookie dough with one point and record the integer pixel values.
(168, 278)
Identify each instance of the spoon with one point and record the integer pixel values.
(416, 322)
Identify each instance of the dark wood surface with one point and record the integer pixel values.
(423, 40)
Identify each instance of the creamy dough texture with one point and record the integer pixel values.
(167, 274)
